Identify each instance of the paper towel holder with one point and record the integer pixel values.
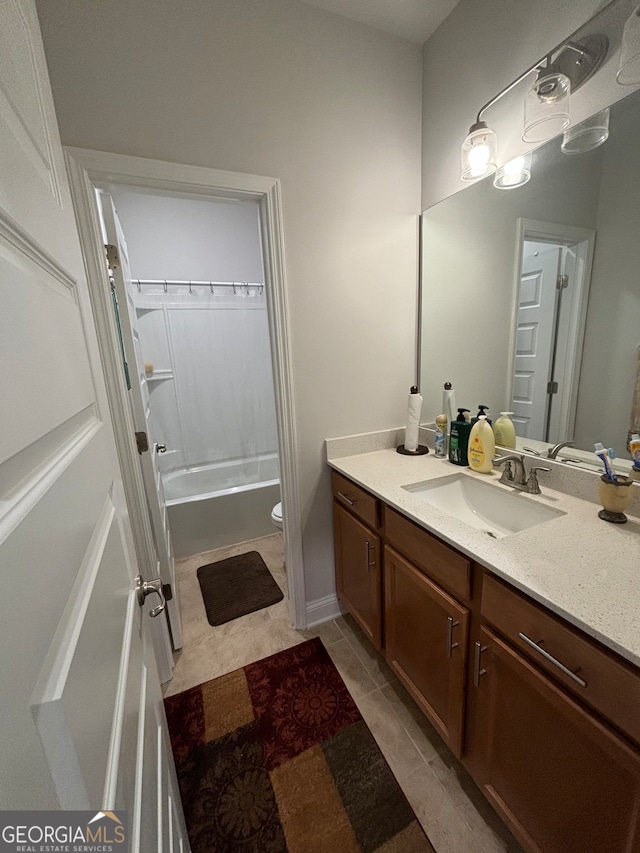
(421, 449)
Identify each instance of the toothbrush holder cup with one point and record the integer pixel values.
(615, 498)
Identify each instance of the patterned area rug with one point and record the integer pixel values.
(276, 757)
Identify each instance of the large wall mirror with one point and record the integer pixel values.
(530, 297)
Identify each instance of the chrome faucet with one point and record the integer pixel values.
(515, 473)
(552, 452)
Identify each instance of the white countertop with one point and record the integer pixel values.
(585, 569)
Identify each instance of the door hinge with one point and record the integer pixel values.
(552, 387)
(168, 592)
(113, 258)
(562, 282)
(142, 441)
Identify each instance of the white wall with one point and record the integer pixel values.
(190, 238)
(332, 108)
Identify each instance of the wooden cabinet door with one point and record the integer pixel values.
(426, 645)
(561, 780)
(358, 574)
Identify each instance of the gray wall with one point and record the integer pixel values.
(329, 106)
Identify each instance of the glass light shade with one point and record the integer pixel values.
(546, 107)
(587, 135)
(515, 173)
(629, 65)
(478, 153)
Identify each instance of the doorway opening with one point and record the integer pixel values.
(212, 336)
(551, 296)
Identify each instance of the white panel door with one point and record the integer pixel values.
(534, 336)
(139, 399)
(76, 673)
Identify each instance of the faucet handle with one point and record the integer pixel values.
(533, 487)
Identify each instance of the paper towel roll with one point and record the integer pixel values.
(414, 409)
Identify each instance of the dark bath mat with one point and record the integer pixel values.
(237, 586)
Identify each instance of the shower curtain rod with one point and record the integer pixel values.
(211, 284)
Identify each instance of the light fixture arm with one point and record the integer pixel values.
(535, 67)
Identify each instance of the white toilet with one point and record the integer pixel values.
(276, 515)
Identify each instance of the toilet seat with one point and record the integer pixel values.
(276, 515)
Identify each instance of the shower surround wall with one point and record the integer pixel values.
(211, 397)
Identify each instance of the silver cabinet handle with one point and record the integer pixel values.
(477, 672)
(145, 588)
(346, 499)
(450, 644)
(160, 448)
(370, 565)
(552, 660)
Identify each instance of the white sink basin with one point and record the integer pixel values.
(484, 506)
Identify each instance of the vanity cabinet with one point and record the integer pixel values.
(426, 632)
(358, 556)
(545, 718)
(562, 780)
(546, 751)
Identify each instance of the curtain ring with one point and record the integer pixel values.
(211, 286)
(165, 285)
(190, 291)
(138, 284)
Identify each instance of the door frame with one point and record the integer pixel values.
(87, 168)
(583, 239)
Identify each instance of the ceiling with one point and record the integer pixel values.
(413, 20)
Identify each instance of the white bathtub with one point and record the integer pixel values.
(221, 504)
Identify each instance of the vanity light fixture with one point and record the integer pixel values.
(587, 135)
(560, 73)
(478, 152)
(515, 173)
(546, 107)
(629, 65)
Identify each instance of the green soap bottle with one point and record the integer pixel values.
(459, 439)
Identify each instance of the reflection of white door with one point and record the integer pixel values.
(83, 725)
(534, 336)
(139, 399)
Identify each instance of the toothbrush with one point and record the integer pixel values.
(603, 454)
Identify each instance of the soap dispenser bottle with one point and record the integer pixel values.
(482, 410)
(459, 439)
(504, 431)
(482, 446)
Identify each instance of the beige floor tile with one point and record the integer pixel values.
(373, 662)
(402, 756)
(418, 728)
(328, 632)
(350, 667)
(435, 810)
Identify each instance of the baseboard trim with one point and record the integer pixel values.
(322, 610)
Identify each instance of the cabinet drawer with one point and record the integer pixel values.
(446, 566)
(596, 676)
(356, 500)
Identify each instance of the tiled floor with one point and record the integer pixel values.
(453, 813)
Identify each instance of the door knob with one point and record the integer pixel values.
(145, 588)
(160, 448)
